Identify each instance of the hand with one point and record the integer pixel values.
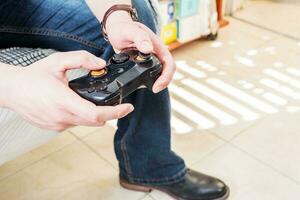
(40, 94)
(124, 33)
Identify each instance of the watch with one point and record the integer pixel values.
(118, 7)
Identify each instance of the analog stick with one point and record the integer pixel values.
(142, 57)
(120, 58)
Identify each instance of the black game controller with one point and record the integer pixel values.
(124, 73)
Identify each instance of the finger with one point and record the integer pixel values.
(75, 104)
(83, 121)
(99, 115)
(166, 77)
(139, 37)
(107, 113)
(55, 127)
(94, 115)
(77, 59)
(60, 128)
(166, 59)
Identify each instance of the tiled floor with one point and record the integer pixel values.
(243, 103)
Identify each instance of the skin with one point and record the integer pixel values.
(40, 92)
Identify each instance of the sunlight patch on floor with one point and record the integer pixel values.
(245, 61)
(207, 100)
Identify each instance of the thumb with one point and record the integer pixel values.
(139, 37)
(143, 42)
(77, 59)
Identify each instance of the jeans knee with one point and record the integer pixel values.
(146, 13)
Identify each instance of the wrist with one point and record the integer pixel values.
(116, 18)
(117, 15)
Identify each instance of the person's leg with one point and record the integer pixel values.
(61, 25)
(142, 145)
(142, 141)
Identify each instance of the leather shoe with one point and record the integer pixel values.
(193, 186)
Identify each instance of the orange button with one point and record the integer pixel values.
(98, 73)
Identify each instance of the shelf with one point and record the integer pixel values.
(222, 23)
(176, 44)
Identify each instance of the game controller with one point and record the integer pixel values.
(125, 73)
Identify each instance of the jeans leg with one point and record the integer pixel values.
(61, 25)
(142, 141)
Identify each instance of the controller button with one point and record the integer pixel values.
(91, 90)
(92, 82)
(120, 70)
(101, 87)
(104, 80)
(120, 58)
(98, 73)
(141, 57)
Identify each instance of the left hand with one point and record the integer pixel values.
(123, 33)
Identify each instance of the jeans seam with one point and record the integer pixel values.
(126, 158)
(49, 32)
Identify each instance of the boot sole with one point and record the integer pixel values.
(125, 184)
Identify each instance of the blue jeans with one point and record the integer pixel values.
(142, 141)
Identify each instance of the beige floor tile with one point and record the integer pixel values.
(83, 131)
(247, 178)
(281, 50)
(157, 195)
(186, 117)
(244, 54)
(232, 41)
(31, 157)
(202, 143)
(275, 141)
(219, 112)
(277, 18)
(102, 142)
(291, 45)
(229, 132)
(193, 146)
(148, 197)
(72, 173)
(238, 26)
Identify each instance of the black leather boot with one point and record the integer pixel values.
(194, 186)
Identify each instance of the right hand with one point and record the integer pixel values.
(40, 94)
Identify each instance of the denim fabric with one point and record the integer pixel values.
(61, 25)
(142, 141)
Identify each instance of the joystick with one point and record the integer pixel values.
(120, 58)
(124, 73)
(143, 57)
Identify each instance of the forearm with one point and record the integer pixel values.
(7, 74)
(100, 7)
